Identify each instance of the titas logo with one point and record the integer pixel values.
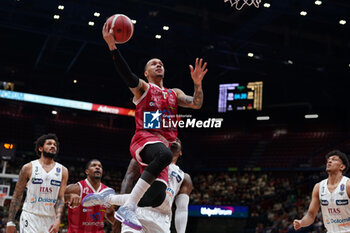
(45, 189)
(333, 210)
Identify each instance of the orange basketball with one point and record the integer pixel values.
(122, 26)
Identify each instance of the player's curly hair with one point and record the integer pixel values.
(342, 156)
(41, 140)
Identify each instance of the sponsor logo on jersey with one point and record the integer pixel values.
(170, 192)
(342, 187)
(55, 182)
(324, 202)
(58, 169)
(177, 176)
(338, 220)
(33, 199)
(96, 224)
(152, 104)
(37, 180)
(45, 189)
(47, 201)
(95, 216)
(341, 202)
(87, 210)
(333, 210)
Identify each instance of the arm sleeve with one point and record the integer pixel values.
(124, 70)
(181, 213)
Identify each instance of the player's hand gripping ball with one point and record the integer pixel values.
(122, 26)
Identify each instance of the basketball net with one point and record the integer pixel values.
(2, 198)
(239, 4)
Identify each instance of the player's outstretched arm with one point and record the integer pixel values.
(16, 201)
(72, 195)
(131, 176)
(60, 202)
(137, 86)
(197, 74)
(309, 218)
(181, 201)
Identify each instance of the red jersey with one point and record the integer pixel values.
(155, 115)
(86, 219)
(164, 103)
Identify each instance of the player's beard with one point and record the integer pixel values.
(49, 155)
(98, 177)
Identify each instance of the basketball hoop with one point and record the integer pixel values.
(239, 4)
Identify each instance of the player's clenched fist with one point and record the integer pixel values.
(297, 224)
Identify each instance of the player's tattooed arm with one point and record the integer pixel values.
(18, 193)
(197, 75)
(60, 199)
(59, 207)
(195, 101)
(131, 176)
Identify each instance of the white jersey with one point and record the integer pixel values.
(42, 189)
(176, 177)
(335, 207)
(158, 220)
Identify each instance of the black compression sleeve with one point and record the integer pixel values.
(124, 70)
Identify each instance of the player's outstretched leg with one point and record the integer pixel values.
(101, 198)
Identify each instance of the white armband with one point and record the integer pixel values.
(10, 224)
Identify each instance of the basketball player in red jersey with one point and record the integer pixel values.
(88, 219)
(150, 146)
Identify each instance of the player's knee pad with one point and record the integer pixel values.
(154, 196)
(160, 161)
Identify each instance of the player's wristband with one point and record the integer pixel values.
(10, 224)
